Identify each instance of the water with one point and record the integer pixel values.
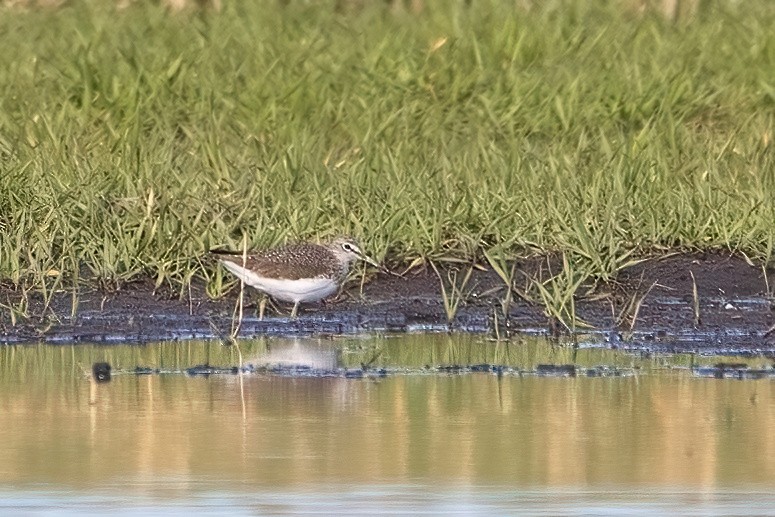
(654, 438)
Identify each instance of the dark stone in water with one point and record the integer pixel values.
(144, 370)
(556, 369)
(101, 372)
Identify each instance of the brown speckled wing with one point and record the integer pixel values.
(290, 262)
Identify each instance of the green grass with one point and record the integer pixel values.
(132, 141)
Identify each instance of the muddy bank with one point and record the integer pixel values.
(734, 313)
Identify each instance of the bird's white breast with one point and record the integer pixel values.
(301, 290)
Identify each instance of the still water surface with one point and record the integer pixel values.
(654, 440)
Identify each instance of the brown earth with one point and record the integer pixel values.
(651, 307)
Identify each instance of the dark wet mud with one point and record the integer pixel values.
(652, 307)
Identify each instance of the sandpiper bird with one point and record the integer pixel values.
(297, 272)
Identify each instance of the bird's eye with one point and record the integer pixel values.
(347, 246)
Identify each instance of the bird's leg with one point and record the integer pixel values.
(294, 310)
(262, 303)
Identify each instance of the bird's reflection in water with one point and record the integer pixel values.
(295, 353)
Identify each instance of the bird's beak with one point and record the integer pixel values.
(373, 262)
